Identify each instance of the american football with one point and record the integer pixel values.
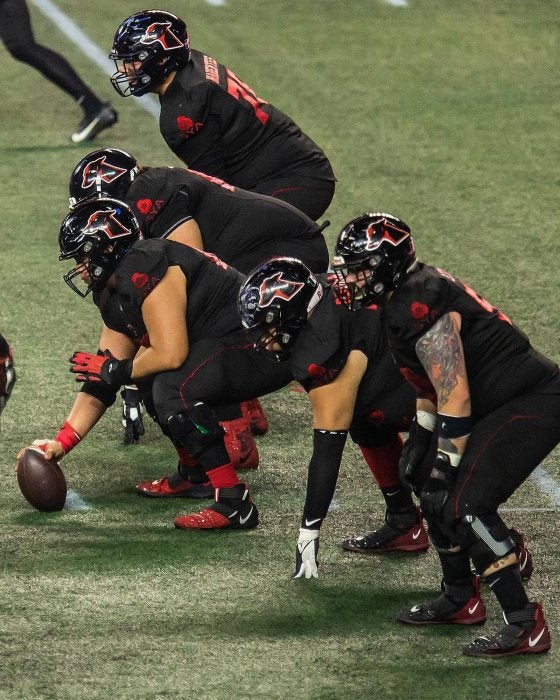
(41, 481)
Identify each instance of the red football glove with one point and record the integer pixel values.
(101, 368)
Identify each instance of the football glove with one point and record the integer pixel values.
(132, 412)
(101, 368)
(438, 486)
(306, 553)
(413, 452)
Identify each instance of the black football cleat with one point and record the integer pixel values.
(528, 637)
(402, 532)
(443, 611)
(93, 124)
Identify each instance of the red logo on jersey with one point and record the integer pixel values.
(143, 282)
(390, 233)
(419, 310)
(106, 222)
(322, 375)
(187, 127)
(160, 33)
(99, 169)
(376, 416)
(144, 206)
(276, 287)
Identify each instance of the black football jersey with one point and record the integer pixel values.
(321, 352)
(216, 124)
(232, 221)
(212, 289)
(500, 361)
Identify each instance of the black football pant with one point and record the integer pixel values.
(312, 252)
(222, 373)
(308, 194)
(17, 35)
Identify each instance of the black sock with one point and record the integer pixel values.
(457, 576)
(508, 588)
(90, 104)
(397, 499)
(195, 474)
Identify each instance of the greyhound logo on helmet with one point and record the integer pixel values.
(99, 169)
(160, 33)
(276, 287)
(107, 223)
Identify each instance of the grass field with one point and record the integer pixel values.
(444, 113)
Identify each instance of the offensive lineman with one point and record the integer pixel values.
(213, 121)
(343, 362)
(198, 364)
(493, 403)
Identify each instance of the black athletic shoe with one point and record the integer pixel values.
(443, 611)
(92, 124)
(402, 532)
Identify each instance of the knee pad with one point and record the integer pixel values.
(197, 429)
(489, 539)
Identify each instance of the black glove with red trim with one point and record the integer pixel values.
(101, 368)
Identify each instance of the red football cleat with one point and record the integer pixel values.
(398, 534)
(240, 444)
(254, 413)
(442, 611)
(233, 508)
(174, 486)
(527, 637)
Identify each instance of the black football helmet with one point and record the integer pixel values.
(372, 254)
(97, 234)
(147, 47)
(277, 297)
(7, 372)
(105, 172)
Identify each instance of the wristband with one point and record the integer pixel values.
(67, 437)
(451, 427)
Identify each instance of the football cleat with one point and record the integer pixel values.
(93, 124)
(175, 486)
(443, 611)
(525, 637)
(240, 444)
(254, 413)
(233, 508)
(393, 536)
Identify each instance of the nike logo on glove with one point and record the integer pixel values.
(532, 641)
(242, 521)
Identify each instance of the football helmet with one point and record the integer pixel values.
(372, 254)
(97, 234)
(105, 172)
(278, 297)
(147, 47)
(7, 372)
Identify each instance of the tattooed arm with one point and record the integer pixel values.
(440, 351)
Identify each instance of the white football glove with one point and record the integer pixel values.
(132, 412)
(306, 553)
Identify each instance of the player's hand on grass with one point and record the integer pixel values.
(132, 412)
(306, 553)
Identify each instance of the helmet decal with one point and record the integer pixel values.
(107, 222)
(160, 33)
(100, 168)
(391, 234)
(276, 286)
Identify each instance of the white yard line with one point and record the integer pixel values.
(74, 34)
(397, 3)
(75, 502)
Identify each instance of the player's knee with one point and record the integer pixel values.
(197, 428)
(489, 539)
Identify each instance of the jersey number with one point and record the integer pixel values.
(237, 89)
(486, 305)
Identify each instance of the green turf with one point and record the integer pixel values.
(445, 113)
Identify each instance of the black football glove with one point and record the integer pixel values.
(438, 486)
(101, 368)
(414, 450)
(132, 411)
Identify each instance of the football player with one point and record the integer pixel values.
(17, 35)
(197, 364)
(493, 404)
(343, 362)
(242, 228)
(7, 372)
(213, 121)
